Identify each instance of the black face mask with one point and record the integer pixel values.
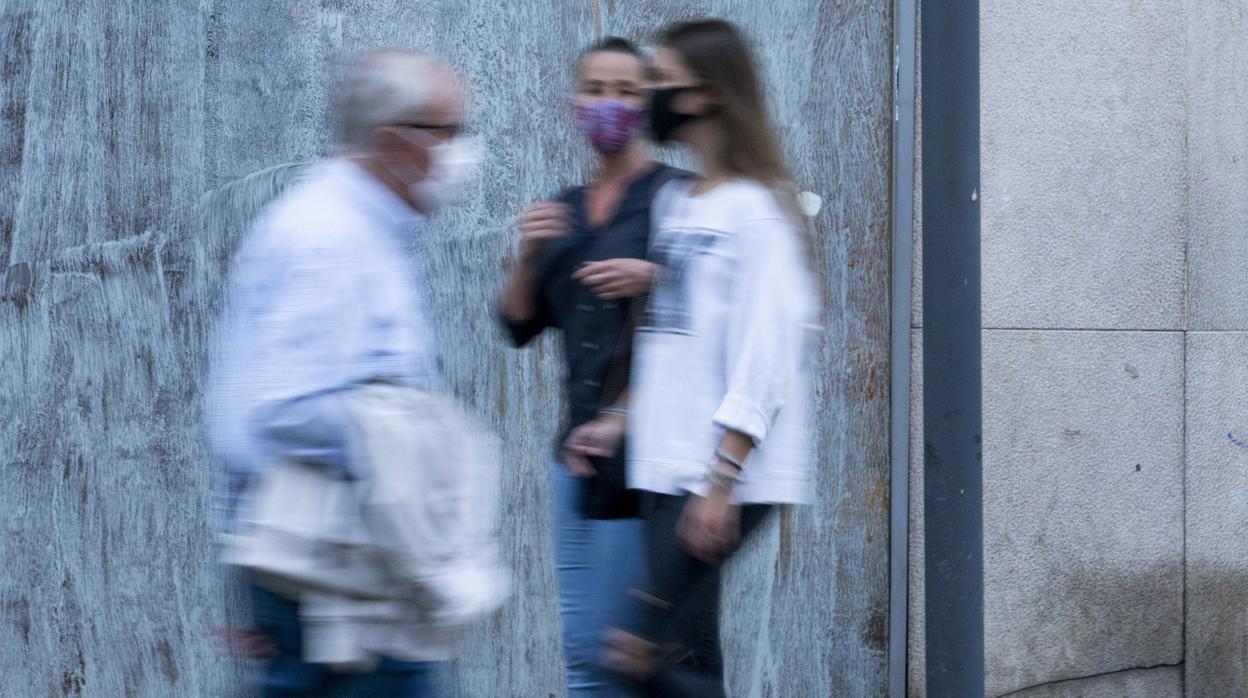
(664, 121)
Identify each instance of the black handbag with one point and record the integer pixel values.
(606, 491)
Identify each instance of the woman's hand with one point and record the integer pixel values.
(541, 223)
(596, 439)
(613, 279)
(710, 526)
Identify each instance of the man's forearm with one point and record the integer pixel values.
(310, 429)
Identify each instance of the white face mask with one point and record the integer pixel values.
(451, 165)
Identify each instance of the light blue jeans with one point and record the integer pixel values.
(596, 562)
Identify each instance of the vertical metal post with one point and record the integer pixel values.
(904, 18)
(952, 401)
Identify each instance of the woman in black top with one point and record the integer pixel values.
(582, 258)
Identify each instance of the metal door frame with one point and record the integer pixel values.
(903, 171)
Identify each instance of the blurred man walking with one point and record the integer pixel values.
(322, 306)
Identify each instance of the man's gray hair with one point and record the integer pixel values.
(380, 88)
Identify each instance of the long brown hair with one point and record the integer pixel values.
(716, 52)
(719, 55)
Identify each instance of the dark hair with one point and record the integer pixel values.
(611, 44)
(716, 52)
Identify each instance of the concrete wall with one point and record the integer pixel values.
(1115, 203)
(1217, 348)
(135, 144)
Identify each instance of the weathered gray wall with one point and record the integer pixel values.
(1115, 204)
(135, 144)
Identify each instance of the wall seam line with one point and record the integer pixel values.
(1058, 682)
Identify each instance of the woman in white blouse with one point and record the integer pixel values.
(720, 391)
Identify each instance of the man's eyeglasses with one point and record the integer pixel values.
(443, 130)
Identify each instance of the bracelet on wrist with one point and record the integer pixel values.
(725, 457)
(725, 477)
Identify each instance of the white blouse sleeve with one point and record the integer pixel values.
(768, 318)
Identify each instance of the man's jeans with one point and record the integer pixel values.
(288, 676)
(596, 562)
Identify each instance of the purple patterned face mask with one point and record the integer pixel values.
(609, 124)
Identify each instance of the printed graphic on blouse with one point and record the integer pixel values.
(674, 250)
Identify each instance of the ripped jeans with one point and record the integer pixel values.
(683, 593)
